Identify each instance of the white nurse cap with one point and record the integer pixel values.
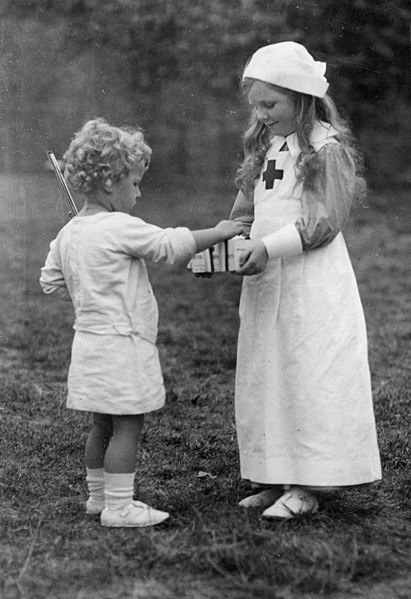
(289, 65)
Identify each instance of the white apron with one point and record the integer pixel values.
(304, 409)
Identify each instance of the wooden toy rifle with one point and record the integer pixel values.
(73, 208)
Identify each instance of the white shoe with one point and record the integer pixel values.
(292, 504)
(135, 514)
(93, 507)
(262, 499)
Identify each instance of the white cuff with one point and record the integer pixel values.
(284, 243)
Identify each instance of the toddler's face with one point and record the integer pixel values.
(126, 191)
(274, 107)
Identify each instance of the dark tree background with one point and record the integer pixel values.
(173, 66)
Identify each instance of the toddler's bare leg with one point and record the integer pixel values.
(96, 445)
(98, 440)
(121, 453)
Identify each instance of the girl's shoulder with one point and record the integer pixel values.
(323, 134)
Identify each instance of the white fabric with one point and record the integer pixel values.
(288, 65)
(98, 262)
(114, 374)
(119, 489)
(95, 483)
(100, 259)
(304, 409)
(284, 242)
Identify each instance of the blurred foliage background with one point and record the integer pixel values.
(174, 66)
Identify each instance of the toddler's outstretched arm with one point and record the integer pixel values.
(225, 229)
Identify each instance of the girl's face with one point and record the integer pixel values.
(275, 107)
(125, 192)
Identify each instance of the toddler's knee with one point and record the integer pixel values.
(104, 423)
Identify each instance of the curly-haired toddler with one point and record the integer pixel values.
(98, 262)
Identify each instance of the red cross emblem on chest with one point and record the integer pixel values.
(271, 172)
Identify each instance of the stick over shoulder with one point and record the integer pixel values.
(62, 182)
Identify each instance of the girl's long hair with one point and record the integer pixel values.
(309, 109)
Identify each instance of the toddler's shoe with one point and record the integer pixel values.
(294, 503)
(93, 507)
(262, 499)
(135, 514)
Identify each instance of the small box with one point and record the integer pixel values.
(236, 246)
(201, 262)
(222, 257)
(219, 256)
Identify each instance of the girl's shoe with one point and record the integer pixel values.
(294, 503)
(262, 499)
(93, 507)
(135, 514)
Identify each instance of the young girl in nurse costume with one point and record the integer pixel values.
(304, 410)
(97, 261)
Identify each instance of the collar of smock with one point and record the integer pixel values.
(322, 132)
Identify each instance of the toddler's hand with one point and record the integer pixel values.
(228, 229)
(246, 230)
(246, 223)
(254, 259)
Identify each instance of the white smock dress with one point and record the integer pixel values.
(303, 402)
(98, 262)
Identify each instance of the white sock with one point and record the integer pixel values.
(119, 489)
(95, 483)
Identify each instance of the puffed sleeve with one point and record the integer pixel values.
(325, 207)
(52, 280)
(243, 209)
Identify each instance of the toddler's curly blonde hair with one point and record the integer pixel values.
(100, 154)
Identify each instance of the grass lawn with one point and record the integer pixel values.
(358, 545)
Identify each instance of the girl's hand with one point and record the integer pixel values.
(228, 229)
(254, 259)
